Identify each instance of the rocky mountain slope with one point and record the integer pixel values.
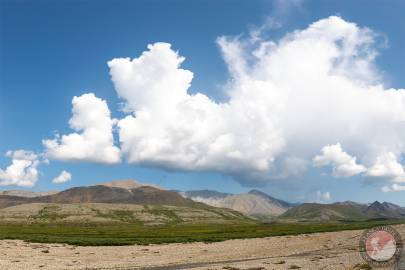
(254, 203)
(105, 194)
(127, 184)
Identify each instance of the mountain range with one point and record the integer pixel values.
(260, 205)
(112, 192)
(124, 200)
(344, 211)
(116, 201)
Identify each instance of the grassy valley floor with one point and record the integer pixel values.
(127, 233)
(157, 237)
(92, 224)
(330, 250)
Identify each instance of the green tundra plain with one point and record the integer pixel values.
(128, 233)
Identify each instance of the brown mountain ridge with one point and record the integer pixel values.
(131, 194)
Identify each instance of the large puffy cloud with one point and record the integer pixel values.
(153, 81)
(387, 166)
(315, 82)
(93, 140)
(174, 129)
(22, 171)
(287, 100)
(343, 164)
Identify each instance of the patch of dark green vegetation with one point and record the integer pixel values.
(120, 215)
(230, 268)
(49, 214)
(226, 213)
(173, 219)
(364, 266)
(128, 234)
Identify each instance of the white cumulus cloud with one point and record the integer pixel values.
(387, 166)
(171, 128)
(93, 140)
(63, 177)
(22, 171)
(322, 197)
(393, 188)
(343, 164)
(287, 99)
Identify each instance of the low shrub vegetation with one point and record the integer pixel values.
(134, 233)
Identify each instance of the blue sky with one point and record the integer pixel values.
(51, 51)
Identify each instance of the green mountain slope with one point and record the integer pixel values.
(115, 202)
(107, 213)
(346, 211)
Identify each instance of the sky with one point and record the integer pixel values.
(301, 99)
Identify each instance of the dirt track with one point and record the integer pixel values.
(338, 250)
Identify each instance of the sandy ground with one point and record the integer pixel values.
(337, 250)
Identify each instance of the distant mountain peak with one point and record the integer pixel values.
(390, 204)
(348, 203)
(126, 184)
(385, 206)
(258, 192)
(261, 194)
(267, 196)
(376, 206)
(345, 211)
(254, 203)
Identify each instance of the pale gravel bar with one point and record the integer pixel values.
(335, 250)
